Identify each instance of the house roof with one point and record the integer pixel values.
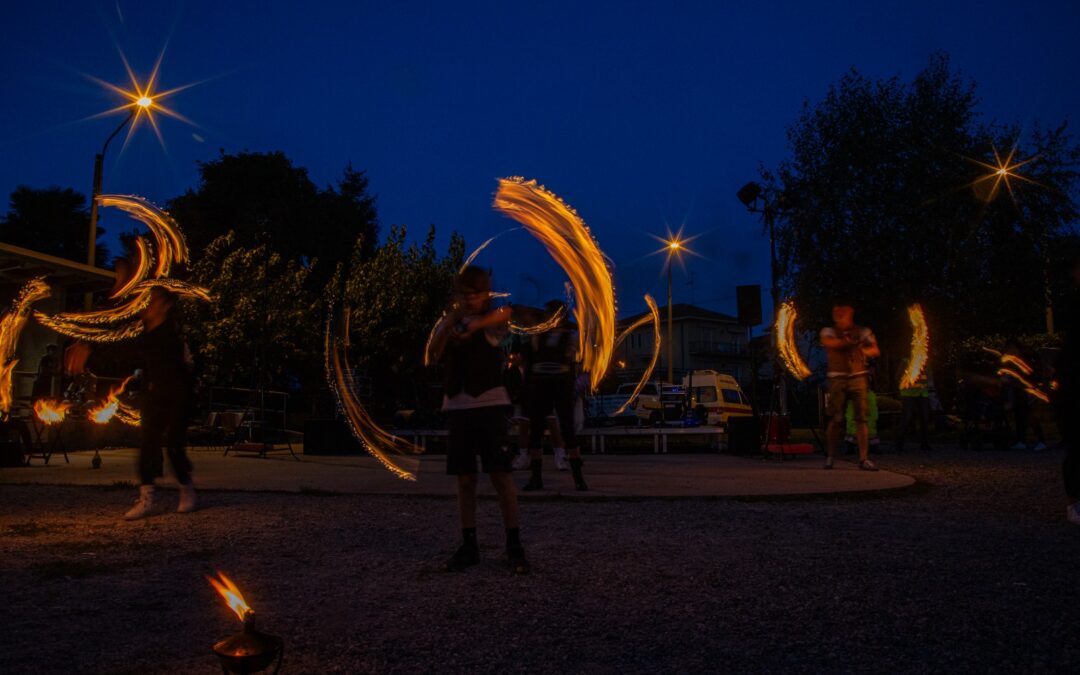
(684, 312)
(18, 265)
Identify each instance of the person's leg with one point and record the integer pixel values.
(564, 409)
(835, 411)
(1020, 416)
(540, 406)
(508, 503)
(152, 428)
(466, 500)
(461, 463)
(923, 403)
(858, 388)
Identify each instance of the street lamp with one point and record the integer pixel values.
(755, 200)
(674, 246)
(142, 104)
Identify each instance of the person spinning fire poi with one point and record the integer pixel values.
(167, 387)
(847, 347)
(476, 402)
(550, 381)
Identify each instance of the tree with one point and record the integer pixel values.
(259, 194)
(395, 298)
(262, 329)
(890, 201)
(52, 220)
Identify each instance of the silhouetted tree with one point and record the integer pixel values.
(264, 197)
(888, 204)
(51, 220)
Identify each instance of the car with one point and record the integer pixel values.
(716, 397)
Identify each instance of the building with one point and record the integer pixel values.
(701, 339)
(69, 282)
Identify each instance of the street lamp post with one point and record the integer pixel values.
(674, 247)
(99, 161)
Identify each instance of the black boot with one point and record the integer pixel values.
(536, 482)
(575, 468)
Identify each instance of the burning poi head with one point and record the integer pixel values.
(11, 327)
(112, 407)
(50, 412)
(785, 341)
(920, 347)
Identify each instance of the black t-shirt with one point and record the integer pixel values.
(161, 355)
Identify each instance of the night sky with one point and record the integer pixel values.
(643, 116)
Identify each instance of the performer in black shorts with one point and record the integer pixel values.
(550, 382)
(476, 403)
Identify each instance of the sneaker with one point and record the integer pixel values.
(828, 463)
(1072, 513)
(1019, 446)
(867, 465)
(560, 459)
(521, 461)
(464, 558)
(187, 499)
(1039, 446)
(515, 560)
(144, 505)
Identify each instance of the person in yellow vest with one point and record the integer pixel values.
(915, 399)
(847, 347)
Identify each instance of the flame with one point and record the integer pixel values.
(233, 597)
(103, 412)
(120, 323)
(51, 412)
(374, 438)
(785, 341)
(567, 239)
(142, 268)
(11, 327)
(542, 327)
(1017, 368)
(654, 316)
(920, 347)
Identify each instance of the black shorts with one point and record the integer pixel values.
(479, 431)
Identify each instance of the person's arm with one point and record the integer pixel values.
(869, 345)
(494, 319)
(829, 339)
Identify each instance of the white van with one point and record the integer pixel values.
(716, 396)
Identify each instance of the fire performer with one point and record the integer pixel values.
(848, 346)
(167, 373)
(550, 381)
(915, 399)
(1068, 398)
(476, 403)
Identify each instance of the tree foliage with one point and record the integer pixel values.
(261, 311)
(889, 201)
(395, 297)
(263, 197)
(51, 220)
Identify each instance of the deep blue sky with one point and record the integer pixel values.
(641, 115)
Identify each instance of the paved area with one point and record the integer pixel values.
(973, 572)
(608, 476)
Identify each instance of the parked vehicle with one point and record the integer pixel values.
(716, 397)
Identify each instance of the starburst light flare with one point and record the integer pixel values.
(568, 240)
(920, 347)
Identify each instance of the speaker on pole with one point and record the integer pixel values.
(748, 299)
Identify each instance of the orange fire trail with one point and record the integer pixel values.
(232, 595)
(51, 412)
(142, 268)
(654, 316)
(920, 347)
(393, 452)
(567, 239)
(11, 327)
(785, 341)
(170, 245)
(111, 406)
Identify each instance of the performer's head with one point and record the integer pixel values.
(157, 310)
(843, 314)
(472, 286)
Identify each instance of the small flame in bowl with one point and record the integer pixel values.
(50, 412)
(232, 595)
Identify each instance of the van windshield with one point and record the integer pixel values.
(731, 396)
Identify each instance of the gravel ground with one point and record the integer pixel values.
(973, 571)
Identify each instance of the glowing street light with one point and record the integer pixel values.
(141, 101)
(674, 245)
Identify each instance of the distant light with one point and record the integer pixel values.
(145, 102)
